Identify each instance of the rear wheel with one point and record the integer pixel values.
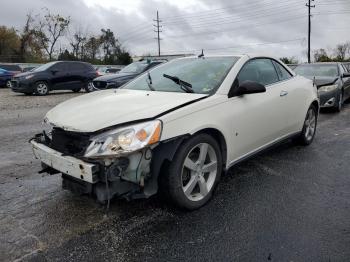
(89, 87)
(309, 129)
(41, 88)
(194, 172)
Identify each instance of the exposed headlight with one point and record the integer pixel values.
(28, 77)
(47, 128)
(124, 140)
(327, 88)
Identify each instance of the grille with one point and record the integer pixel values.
(100, 84)
(70, 143)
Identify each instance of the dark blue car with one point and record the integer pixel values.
(5, 78)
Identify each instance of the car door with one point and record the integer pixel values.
(59, 75)
(293, 97)
(258, 119)
(346, 82)
(76, 75)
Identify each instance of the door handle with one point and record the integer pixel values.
(283, 93)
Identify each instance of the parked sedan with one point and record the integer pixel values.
(176, 128)
(332, 81)
(125, 75)
(60, 75)
(5, 78)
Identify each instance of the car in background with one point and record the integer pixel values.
(125, 75)
(176, 129)
(332, 81)
(28, 68)
(347, 66)
(292, 66)
(5, 78)
(16, 69)
(59, 75)
(107, 70)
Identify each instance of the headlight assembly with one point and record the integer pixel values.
(47, 128)
(327, 88)
(124, 140)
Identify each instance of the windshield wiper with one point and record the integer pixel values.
(187, 87)
(149, 82)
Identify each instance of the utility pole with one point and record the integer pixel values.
(309, 31)
(157, 26)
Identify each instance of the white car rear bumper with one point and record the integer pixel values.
(66, 164)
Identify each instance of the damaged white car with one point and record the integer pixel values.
(176, 128)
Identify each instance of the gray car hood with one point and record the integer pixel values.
(99, 110)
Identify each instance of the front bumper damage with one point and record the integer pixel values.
(128, 176)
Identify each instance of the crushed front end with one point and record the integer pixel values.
(107, 164)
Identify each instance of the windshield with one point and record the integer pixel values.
(134, 68)
(204, 75)
(43, 67)
(317, 70)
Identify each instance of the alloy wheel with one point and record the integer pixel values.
(310, 124)
(42, 89)
(340, 102)
(199, 172)
(8, 84)
(90, 86)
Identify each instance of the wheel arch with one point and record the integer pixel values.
(317, 105)
(164, 153)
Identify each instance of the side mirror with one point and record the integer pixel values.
(346, 74)
(249, 87)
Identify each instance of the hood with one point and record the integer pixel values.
(25, 74)
(99, 110)
(324, 80)
(113, 77)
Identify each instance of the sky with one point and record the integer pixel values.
(271, 27)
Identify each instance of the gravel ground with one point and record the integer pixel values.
(290, 203)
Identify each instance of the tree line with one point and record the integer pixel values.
(40, 39)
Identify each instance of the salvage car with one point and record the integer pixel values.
(176, 128)
(123, 76)
(332, 81)
(58, 75)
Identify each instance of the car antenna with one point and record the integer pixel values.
(201, 55)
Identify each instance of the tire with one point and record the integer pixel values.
(8, 84)
(76, 90)
(41, 88)
(310, 124)
(185, 173)
(89, 87)
(339, 105)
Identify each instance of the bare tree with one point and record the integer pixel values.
(78, 41)
(49, 29)
(340, 51)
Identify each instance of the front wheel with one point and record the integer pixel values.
(41, 88)
(194, 172)
(8, 84)
(309, 129)
(339, 105)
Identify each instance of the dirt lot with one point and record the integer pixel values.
(289, 204)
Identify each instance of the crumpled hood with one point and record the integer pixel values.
(99, 110)
(324, 81)
(113, 77)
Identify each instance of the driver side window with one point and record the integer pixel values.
(259, 70)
